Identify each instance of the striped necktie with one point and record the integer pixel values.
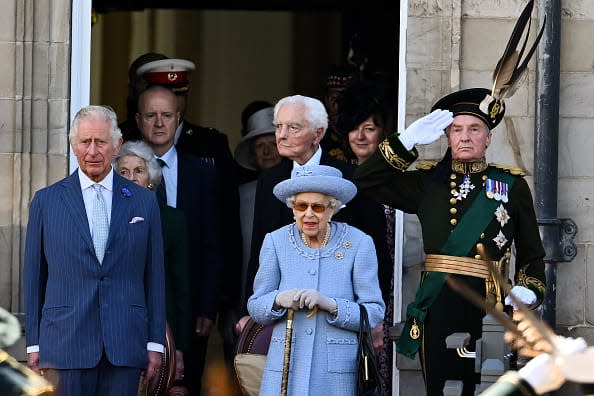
(100, 228)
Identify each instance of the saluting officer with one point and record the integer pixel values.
(462, 203)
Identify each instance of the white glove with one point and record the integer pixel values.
(310, 298)
(542, 374)
(10, 328)
(286, 299)
(525, 295)
(426, 129)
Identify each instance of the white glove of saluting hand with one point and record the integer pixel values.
(525, 295)
(286, 299)
(426, 129)
(310, 298)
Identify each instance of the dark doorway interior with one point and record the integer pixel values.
(369, 28)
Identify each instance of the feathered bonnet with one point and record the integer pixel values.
(509, 74)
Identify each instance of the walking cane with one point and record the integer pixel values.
(287, 360)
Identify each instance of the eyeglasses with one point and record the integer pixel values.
(316, 207)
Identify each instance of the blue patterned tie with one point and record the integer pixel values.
(100, 226)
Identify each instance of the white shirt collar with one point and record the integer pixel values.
(314, 160)
(86, 182)
(169, 157)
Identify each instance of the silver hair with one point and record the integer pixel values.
(142, 150)
(332, 202)
(101, 112)
(315, 112)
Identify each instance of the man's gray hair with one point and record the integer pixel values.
(93, 111)
(142, 150)
(315, 112)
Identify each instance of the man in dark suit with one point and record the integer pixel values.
(192, 186)
(93, 272)
(300, 125)
(212, 147)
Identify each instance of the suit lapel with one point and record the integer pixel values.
(72, 196)
(119, 207)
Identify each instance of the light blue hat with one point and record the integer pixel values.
(318, 179)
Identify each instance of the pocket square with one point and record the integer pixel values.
(136, 220)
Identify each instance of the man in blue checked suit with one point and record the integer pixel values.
(93, 272)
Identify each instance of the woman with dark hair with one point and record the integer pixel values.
(364, 121)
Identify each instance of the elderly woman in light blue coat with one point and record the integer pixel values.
(314, 265)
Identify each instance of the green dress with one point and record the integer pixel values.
(177, 287)
(440, 196)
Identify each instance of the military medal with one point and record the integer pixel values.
(496, 189)
(500, 240)
(415, 331)
(504, 197)
(489, 188)
(501, 215)
(465, 188)
(497, 194)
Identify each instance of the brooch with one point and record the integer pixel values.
(126, 193)
(339, 255)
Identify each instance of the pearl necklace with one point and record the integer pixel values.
(324, 241)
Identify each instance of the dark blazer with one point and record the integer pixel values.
(212, 147)
(77, 308)
(177, 273)
(198, 196)
(271, 214)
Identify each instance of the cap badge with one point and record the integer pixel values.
(172, 76)
(491, 106)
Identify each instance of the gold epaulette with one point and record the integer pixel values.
(514, 170)
(426, 165)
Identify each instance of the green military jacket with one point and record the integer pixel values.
(440, 202)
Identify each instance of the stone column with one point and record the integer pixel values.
(34, 96)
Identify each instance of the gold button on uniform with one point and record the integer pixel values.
(453, 210)
(453, 222)
(477, 256)
(453, 201)
(453, 192)
(452, 184)
(453, 176)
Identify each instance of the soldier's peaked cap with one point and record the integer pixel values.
(171, 73)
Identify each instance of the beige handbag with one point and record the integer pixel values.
(250, 356)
